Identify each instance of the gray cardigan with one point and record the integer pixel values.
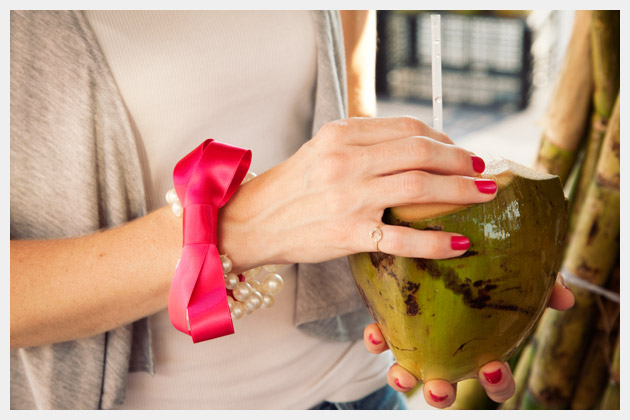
(75, 168)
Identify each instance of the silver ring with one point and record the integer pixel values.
(376, 234)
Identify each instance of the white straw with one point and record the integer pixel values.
(436, 69)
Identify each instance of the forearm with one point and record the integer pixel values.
(70, 288)
(359, 31)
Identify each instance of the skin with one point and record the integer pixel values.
(318, 205)
(359, 33)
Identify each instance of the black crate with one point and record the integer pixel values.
(486, 60)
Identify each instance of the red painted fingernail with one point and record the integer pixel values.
(478, 164)
(373, 341)
(486, 186)
(400, 386)
(459, 243)
(437, 398)
(562, 281)
(493, 377)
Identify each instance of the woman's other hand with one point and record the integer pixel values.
(495, 377)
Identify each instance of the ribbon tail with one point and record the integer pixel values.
(208, 310)
(183, 285)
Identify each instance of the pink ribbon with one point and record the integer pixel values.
(205, 179)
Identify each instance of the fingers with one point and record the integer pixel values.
(561, 297)
(411, 243)
(496, 378)
(400, 379)
(374, 340)
(439, 393)
(417, 187)
(421, 153)
(366, 131)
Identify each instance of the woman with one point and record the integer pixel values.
(104, 104)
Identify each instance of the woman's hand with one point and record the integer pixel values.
(323, 202)
(495, 377)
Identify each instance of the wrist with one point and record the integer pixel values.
(241, 233)
(245, 290)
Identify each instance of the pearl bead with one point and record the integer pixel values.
(268, 301)
(237, 311)
(231, 281)
(250, 175)
(177, 209)
(230, 300)
(255, 284)
(242, 291)
(250, 274)
(171, 196)
(272, 284)
(271, 268)
(254, 302)
(226, 263)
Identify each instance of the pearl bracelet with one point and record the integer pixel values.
(245, 293)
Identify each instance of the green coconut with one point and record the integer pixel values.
(444, 319)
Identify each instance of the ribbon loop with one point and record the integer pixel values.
(205, 179)
(200, 224)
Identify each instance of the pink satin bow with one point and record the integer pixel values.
(205, 179)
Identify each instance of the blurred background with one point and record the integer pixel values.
(498, 71)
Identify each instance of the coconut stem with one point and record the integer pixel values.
(566, 118)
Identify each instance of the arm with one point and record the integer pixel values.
(359, 33)
(70, 288)
(318, 205)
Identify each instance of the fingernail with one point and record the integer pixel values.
(459, 243)
(486, 186)
(373, 341)
(478, 164)
(400, 386)
(493, 377)
(562, 281)
(437, 398)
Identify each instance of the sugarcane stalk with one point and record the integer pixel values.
(590, 255)
(598, 223)
(611, 399)
(565, 121)
(554, 368)
(593, 377)
(605, 56)
(521, 374)
(595, 370)
(472, 396)
(521, 367)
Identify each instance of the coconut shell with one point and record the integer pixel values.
(444, 319)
